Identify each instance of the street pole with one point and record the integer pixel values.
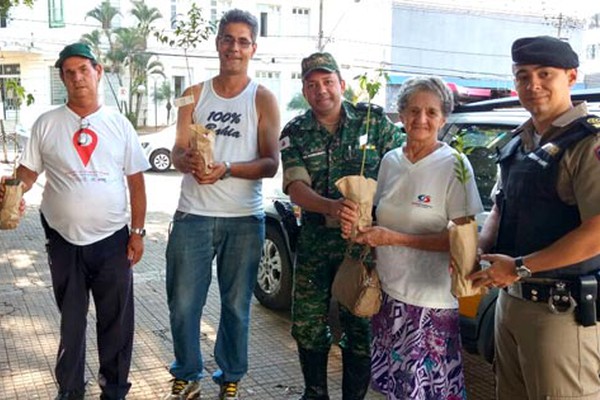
(155, 108)
(320, 44)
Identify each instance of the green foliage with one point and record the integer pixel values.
(460, 169)
(6, 5)
(299, 103)
(371, 86)
(164, 93)
(126, 55)
(16, 91)
(188, 32)
(461, 172)
(350, 95)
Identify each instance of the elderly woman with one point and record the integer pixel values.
(415, 352)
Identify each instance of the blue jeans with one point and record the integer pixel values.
(194, 241)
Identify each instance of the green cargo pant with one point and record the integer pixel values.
(320, 251)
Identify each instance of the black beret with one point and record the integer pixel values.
(544, 50)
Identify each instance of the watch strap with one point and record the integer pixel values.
(138, 231)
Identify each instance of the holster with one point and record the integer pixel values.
(586, 310)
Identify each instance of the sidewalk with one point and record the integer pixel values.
(29, 324)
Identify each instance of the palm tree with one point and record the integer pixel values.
(94, 40)
(146, 16)
(594, 21)
(164, 93)
(126, 54)
(104, 13)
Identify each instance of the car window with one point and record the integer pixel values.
(482, 142)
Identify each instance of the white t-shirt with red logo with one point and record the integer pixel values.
(420, 198)
(86, 161)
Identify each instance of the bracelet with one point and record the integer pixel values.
(227, 173)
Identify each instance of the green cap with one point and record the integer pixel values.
(319, 61)
(75, 49)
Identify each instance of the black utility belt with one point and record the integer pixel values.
(578, 293)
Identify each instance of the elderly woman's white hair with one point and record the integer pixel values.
(433, 84)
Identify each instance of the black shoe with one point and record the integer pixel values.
(69, 395)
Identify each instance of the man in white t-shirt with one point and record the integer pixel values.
(88, 152)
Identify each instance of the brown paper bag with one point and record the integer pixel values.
(463, 257)
(9, 209)
(203, 140)
(356, 286)
(360, 190)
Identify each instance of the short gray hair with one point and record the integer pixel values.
(240, 16)
(433, 84)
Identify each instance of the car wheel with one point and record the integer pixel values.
(274, 281)
(160, 160)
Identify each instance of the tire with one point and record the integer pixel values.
(274, 280)
(160, 160)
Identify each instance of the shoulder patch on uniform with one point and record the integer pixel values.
(593, 123)
(284, 143)
(374, 108)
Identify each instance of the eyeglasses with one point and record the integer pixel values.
(230, 41)
(82, 136)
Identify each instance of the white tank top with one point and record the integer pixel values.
(235, 121)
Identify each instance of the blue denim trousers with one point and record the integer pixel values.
(194, 241)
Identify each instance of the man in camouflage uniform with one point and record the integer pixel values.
(318, 148)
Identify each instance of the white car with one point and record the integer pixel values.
(157, 147)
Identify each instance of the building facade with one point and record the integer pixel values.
(356, 32)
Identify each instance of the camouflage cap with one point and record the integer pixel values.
(75, 49)
(319, 61)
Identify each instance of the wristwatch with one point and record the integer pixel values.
(521, 269)
(138, 231)
(227, 173)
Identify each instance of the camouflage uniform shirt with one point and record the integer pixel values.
(319, 158)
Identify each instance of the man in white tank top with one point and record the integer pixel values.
(220, 212)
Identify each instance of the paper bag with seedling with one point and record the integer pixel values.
(9, 208)
(464, 236)
(463, 257)
(360, 190)
(203, 140)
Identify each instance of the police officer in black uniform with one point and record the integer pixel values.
(544, 233)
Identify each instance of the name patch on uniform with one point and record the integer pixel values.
(363, 140)
(284, 143)
(183, 101)
(551, 149)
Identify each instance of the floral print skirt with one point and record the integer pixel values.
(416, 353)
